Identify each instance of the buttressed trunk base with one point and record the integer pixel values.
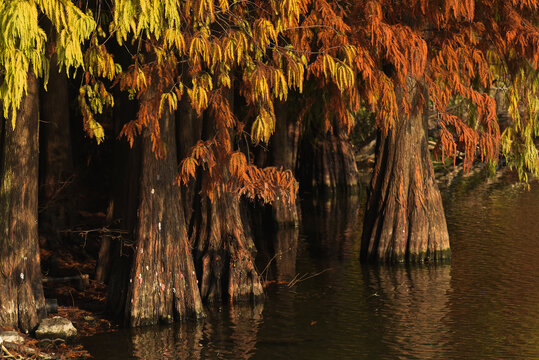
(163, 285)
(404, 220)
(224, 252)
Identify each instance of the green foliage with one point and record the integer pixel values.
(22, 44)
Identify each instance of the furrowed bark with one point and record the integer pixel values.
(404, 220)
(224, 251)
(284, 153)
(163, 285)
(22, 303)
(222, 244)
(328, 164)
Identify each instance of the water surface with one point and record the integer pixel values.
(326, 305)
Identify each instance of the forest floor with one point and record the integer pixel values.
(82, 301)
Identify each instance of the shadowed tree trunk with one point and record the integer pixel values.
(284, 153)
(222, 243)
(224, 251)
(188, 132)
(22, 303)
(404, 220)
(328, 164)
(123, 199)
(56, 154)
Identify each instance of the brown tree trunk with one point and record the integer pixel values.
(222, 244)
(163, 285)
(224, 251)
(404, 220)
(188, 132)
(332, 225)
(284, 153)
(328, 164)
(152, 277)
(22, 303)
(57, 162)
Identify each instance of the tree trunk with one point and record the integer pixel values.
(163, 284)
(224, 251)
(57, 162)
(404, 220)
(188, 132)
(123, 200)
(332, 225)
(284, 153)
(22, 303)
(222, 243)
(328, 164)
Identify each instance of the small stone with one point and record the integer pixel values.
(89, 318)
(56, 327)
(11, 337)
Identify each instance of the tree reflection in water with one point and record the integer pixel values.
(331, 225)
(410, 303)
(226, 333)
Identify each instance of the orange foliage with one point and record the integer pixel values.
(357, 54)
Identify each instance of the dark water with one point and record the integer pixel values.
(484, 305)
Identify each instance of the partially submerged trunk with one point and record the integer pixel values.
(328, 164)
(162, 285)
(332, 224)
(284, 154)
(22, 303)
(222, 244)
(224, 251)
(404, 220)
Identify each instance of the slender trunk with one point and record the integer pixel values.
(404, 220)
(123, 201)
(102, 269)
(284, 153)
(57, 162)
(22, 303)
(188, 132)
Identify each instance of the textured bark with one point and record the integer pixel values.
(222, 244)
(284, 153)
(224, 251)
(188, 132)
(163, 285)
(404, 220)
(153, 278)
(57, 162)
(22, 303)
(328, 164)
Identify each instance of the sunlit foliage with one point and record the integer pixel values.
(356, 55)
(23, 40)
